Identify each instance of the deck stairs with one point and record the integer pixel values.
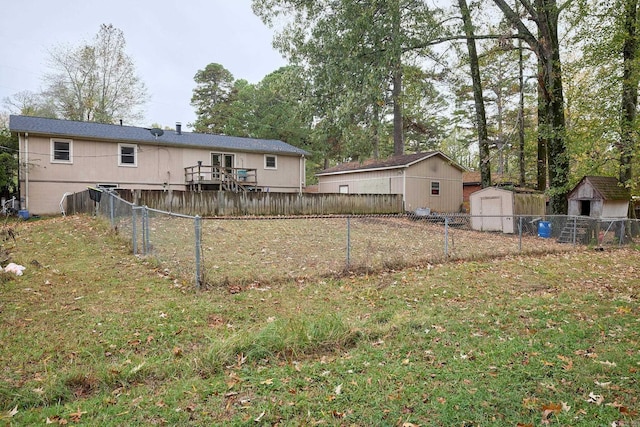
(579, 226)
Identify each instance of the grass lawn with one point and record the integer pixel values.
(91, 335)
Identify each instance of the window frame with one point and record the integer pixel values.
(342, 188)
(435, 190)
(135, 155)
(53, 151)
(275, 162)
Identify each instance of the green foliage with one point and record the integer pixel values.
(599, 130)
(354, 53)
(8, 163)
(210, 98)
(275, 108)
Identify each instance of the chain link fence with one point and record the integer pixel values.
(253, 251)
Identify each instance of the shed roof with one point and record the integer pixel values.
(608, 187)
(473, 178)
(133, 134)
(395, 162)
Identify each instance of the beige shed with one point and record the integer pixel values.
(426, 180)
(496, 209)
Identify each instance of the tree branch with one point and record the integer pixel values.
(514, 19)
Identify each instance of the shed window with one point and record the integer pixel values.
(270, 162)
(435, 188)
(344, 189)
(61, 151)
(127, 155)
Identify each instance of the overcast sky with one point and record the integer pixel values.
(168, 40)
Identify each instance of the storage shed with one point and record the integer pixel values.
(599, 197)
(425, 180)
(496, 209)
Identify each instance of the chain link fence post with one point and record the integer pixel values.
(198, 241)
(446, 236)
(348, 241)
(145, 230)
(622, 232)
(520, 234)
(111, 213)
(134, 229)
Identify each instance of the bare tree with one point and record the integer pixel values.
(96, 81)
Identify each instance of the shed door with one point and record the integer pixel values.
(491, 206)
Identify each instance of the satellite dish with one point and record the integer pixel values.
(156, 132)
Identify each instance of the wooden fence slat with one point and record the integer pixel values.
(223, 203)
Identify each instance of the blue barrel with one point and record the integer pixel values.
(23, 213)
(544, 229)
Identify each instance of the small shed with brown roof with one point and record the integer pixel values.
(599, 197)
(426, 180)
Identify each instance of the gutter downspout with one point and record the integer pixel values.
(404, 189)
(301, 177)
(26, 172)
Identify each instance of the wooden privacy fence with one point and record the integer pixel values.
(224, 203)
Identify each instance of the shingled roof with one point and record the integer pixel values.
(132, 134)
(608, 187)
(395, 162)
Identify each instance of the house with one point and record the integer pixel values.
(599, 197)
(497, 209)
(426, 180)
(59, 156)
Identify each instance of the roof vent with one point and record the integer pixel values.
(178, 128)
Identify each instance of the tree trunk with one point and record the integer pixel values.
(398, 137)
(543, 126)
(629, 92)
(521, 115)
(481, 121)
(558, 159)
(551, 101)
(396, 93)
(376, 131)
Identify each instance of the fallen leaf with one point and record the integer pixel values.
(595, 398)
(76, 416)
(569, 363)
(337, 414)
(338, 389)
(552, 408)
(259, 417)
(9, 414)
(267, 381)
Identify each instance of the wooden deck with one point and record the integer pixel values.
(206, 177)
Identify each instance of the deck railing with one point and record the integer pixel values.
(233, 179)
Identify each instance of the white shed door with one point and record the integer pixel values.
(491, 206)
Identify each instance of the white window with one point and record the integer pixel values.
(127, 155)
(61, 151)
(270, 162)
(343, 189)
(435, 188)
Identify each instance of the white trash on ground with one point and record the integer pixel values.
(15, 268)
